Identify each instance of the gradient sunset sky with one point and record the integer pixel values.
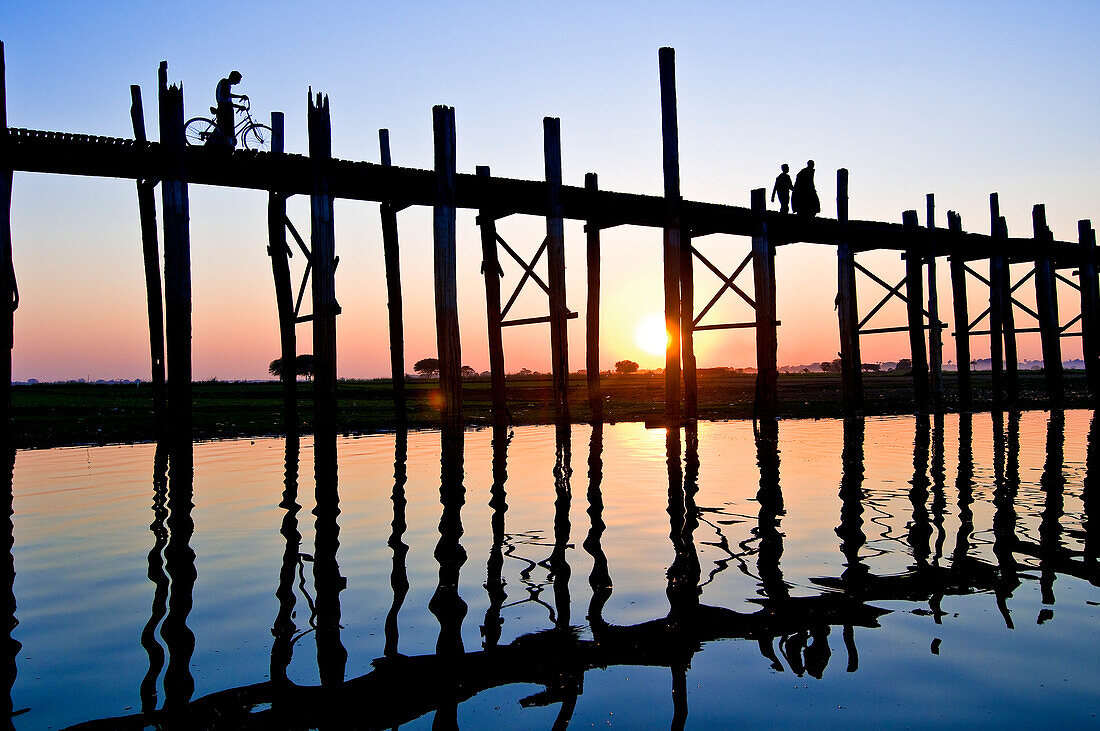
(958, 99)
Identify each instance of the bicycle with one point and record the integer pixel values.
(252, 135)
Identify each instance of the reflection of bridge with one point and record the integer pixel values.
(797, 629)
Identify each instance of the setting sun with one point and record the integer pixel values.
(650, 334)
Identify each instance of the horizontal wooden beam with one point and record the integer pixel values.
(729, 326)
(535, 320)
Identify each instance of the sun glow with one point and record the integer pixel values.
(650, 334)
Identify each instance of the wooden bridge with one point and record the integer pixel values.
(173, 166)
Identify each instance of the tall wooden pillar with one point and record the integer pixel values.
(392, 255)
(851, 368)
(935, 332)
(446, 277)
(1046, 304)
(1090, 308)
(8, 290)
(490, 268)
(687, 326)
(1008, 323)
(279, 252)
(555, 251)
(763, 266)
(177, 262)
(914, 296)
(150, 249)
(997, 278)
(671, 147)
(323, 246)
(962, 315)
(592, 319)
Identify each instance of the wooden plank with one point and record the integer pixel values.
(391, 252)
(490, 269)
(177, 264)
(729, 326)
(670, 147)
(555, 252)
(935, 331)
(323, 290)
(446, 277)
(962, 319)
(763, 265)
(592, 312)
(1046, 302)
(914, 296)
(847, 308)
(8, 289)
(1090, 306)
(535, 320)
(279, 252)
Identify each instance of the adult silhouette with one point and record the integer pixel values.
(804, 200)
(782, 188)
(223, 113)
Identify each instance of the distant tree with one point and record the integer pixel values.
(871, 367)
(904, 366)
(467, 371)
(525, 372)
(833, 367)
(303, 366)
(426, 366)
(623, 367)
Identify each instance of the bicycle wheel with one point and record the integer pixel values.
(256, 137)
(198, 130)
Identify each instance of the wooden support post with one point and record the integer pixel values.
(446, 277)
(490, 268)
(323, 258)
(279, 252)
(914, 296)
(555, 251)
(670, 145)
(763, 266)
(1046, 304)
(592, 321)
(997, 278)
(1090, 307)
(392, 256)
(1008, 323)
(935, 332)
(8, 290)
(150, 248)
(962, 315)
(177, 262)
(687, 327)
(851, 368)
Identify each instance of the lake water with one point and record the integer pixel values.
(896, 571)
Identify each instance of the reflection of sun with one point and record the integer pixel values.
(650, 334)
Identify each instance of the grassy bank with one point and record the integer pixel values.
(47, 415)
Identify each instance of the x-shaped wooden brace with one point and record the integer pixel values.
(727, 283)
(528, 273)
(894, 291)
(305, 275)
(970, 326)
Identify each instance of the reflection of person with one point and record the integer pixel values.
(804, 200)
(224, 112)
(783, 186)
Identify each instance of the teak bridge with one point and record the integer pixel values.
(174, 165)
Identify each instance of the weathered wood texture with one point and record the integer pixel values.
(962, 319)
(763, 266)
(1008, 323)
(446, 277)
(847, 307)
(555, 252)
(997, 279)
(935, 331)
(1046, 304)
(323, 258)
(177, 261)
(1090, 307)
(914, 299)
(671, 158)
(490, 269)
(8, 290)
(150, 249)
(392, 256)
(279, 252)
(592, 313)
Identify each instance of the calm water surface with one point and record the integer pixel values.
(894, 571)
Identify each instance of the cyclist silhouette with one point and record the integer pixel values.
(224, 111)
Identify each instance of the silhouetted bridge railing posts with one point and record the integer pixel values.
(174, 165)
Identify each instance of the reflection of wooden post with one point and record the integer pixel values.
(177, 261)
(914, 296)
(1046, 304)
(962, 315)
(846, 307)
(592, 322)
(279, 252)
(446, 277)
(935, 333)
(1090, 349)
(323, 245)
(8, 292)
(555, 251)
(670, 144)
(150, 249)
(490, 268)
(763, 266)
(392, 256)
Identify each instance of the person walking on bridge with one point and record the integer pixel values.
(224, 111)
(782, 187)
(804, 200)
